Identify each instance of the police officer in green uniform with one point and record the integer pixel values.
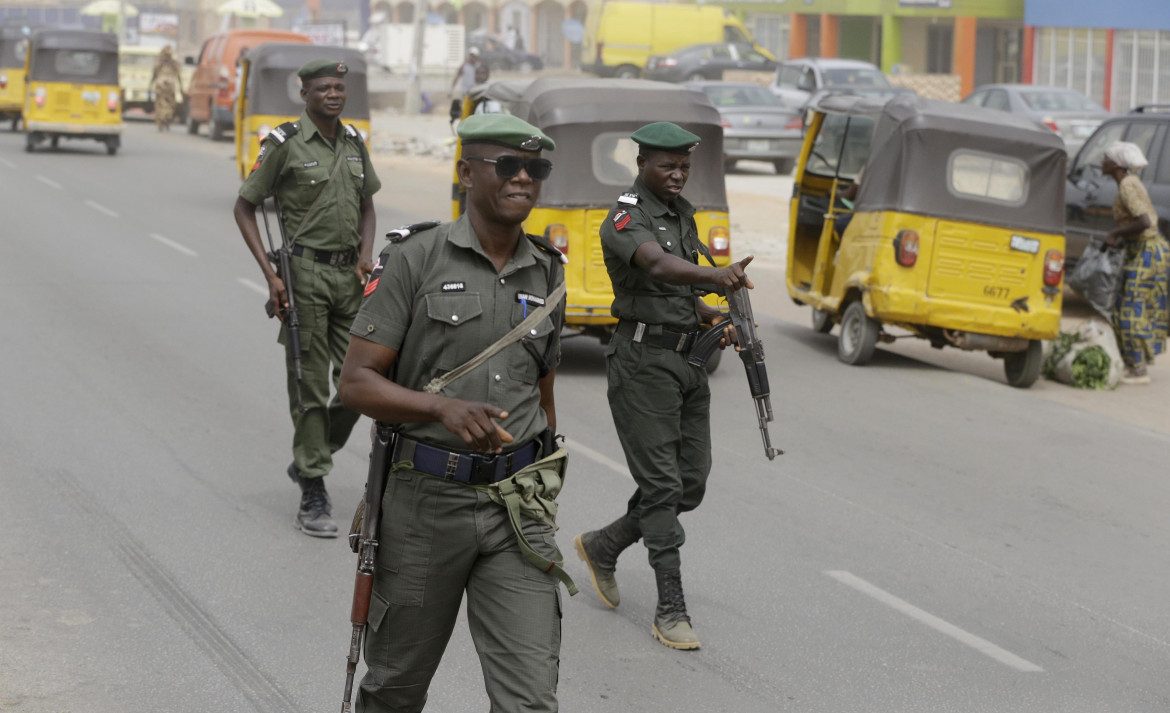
(660, 403)
(324, 183)
(437, 299)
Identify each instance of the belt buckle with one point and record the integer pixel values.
(682, 342)
(483, 468)
(639, 331)
(335, 258)
(452, 465)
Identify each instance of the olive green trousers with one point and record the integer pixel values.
(327, 300)
(438, 540)
(661, 406)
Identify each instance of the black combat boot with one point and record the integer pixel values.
(313, 518)
(672, 626)
(599, 549)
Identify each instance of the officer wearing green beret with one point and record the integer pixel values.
(660, 403)
(437, 299)
(323, 180)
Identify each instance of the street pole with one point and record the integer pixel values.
(414, 91)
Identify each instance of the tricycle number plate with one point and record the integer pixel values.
(1026, 245)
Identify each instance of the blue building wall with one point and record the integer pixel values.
(1119, 14)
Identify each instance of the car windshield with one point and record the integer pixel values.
(724, 95)
(855, 77)
(1060, 101)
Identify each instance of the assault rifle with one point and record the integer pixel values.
(363, 540)
(750, 350)
(288, 315)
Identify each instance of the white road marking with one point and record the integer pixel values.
(600, 458)
(172, 244)
(253, 286)
(983, 646)
(7, 163)
(49, 182)
(101, 208)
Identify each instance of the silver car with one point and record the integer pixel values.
(756, 124)
(1072, 115)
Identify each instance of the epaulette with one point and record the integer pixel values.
(631, 198)
(284, 132)
(353, 133)
(399, 234)
(544, 244)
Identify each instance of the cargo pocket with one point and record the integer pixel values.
(404, 553)
(306, 324)
(540, 536)
(454, 345)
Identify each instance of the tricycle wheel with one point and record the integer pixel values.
(627, 71)
(53, 142)
(822, 323)
(16, 124)
(30, 142)
(1023, 368)
(859, 334)
(713, 361)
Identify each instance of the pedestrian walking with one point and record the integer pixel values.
(167, 87)
(473, 71)
(438, 299)
(660, 403)
(1140, 316)
(324, 184)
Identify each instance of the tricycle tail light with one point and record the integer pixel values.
(558, 235)
(1053, 267)
(906, 248)
(719, 240)
(263, 132)
(39, 96)
(3, 81)
(112, 101)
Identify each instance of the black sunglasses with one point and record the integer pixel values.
(538, 169)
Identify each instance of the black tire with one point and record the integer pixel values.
(215, 129)
(16, 124)
(696, 77)
(30, 143)
(111, 146)
(627, 71)
(713, 361)
(192, 126)
(54, 141)
(729, 164)
(1023, 368)
(859, 334)
(784, 166)
(822, 323)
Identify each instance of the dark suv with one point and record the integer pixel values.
(1089, 195)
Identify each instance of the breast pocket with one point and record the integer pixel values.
(357, 171)
(522, 366)
(310, 180)
(450, 315)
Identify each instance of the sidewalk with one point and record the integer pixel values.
(759, 223)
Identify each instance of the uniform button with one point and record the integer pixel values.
(501, 280)
(314, 181)
(454, 318)
(533, 332)
(667, 243)
(497, 377)
(370, 328)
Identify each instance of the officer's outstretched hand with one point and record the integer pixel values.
(475, 423)
(277, 297)
(733, 277)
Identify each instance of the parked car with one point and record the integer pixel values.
(1072, 115)
(709, 61)
(497, 56)
(797, 80)
(756, 124)
(1089, 195)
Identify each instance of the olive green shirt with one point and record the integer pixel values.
(297, 172)
(437, 299)
(639, 217)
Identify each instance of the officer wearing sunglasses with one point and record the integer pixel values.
(440, 297)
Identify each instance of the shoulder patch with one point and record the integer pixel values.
(621, 219)
(372, 280)
(399, 234)
(260, 156)
(630, 198)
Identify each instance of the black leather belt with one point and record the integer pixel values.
(337, 258)
(470, 468)
(656, 335)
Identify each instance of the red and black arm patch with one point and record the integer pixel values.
(372, 280)
(621, 219)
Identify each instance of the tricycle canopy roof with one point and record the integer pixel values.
(274, 88)
(586, 118)
(75, 56)
(958, 162)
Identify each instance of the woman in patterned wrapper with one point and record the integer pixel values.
(165, 84)
(1140, 315)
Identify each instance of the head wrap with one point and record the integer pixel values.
(1127, 155)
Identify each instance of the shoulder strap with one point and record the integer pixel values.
(399, 234)
(544, 361)
(283, 133)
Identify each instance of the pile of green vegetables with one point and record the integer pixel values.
(1090, 367)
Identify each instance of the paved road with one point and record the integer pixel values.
(932, 541)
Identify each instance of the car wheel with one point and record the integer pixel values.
(524, 67)
(1023, 368)
(822, 323)
(627, 71)
(696, 77)
(784, 166)
(859, 335)
(192, 126)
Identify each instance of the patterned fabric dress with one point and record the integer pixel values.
(1140, 317)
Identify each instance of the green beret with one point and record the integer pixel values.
(505, 130)
(665, 136)
(317, 68)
